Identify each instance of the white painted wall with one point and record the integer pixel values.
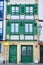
(22, 1)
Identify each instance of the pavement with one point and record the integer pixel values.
(21, 64)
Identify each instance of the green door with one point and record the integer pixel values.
(13, 54)
(26, 54)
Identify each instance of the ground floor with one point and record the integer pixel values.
(21, 52)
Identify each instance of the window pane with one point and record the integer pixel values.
(1, 24)
(1, 3)
(26, 28)
(31, 9)
(0, 30)
(23, 50)
(1, 8)
(16, 27)
(12, 27)
(30, 26)
(29, 51)
(27, 9)
(17, 9)
(13, 9)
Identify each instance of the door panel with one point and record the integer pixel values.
(12, 54)
(26, 54)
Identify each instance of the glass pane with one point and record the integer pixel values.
(0, 30)
(26, 28)
(17, 9)
(13, 9)
(30, 26)
(29, 51)
(12, 27)
(31, 9)
(1, 8)
(27, 9)
(16, 27)
(23, 50)
(1, 3)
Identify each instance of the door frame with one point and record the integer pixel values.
(32, 53)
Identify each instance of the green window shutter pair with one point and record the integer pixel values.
(8, 27)
(35, 9)
(8, 9)
(35, 28)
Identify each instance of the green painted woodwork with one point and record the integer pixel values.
(26, 54)
(8, 9)
(35, 9)
(35, 29)
(21, 27)
(22, 9)
(13, 54)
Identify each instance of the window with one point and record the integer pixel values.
(1, 3)
(31, 10)
(24, 50)
(1, 8)
(14, 27)
(28, 28)
(1, 27)
(27, 9)
(29, 51)
(0, 48)
(15, 10)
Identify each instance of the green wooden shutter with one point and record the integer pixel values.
(21, 28)
(8, 9)
(35, 9)
(8, 28)
(22, 9)
(35, 28)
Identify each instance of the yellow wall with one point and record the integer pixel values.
(5, 49)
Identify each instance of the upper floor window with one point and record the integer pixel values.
(1, 27)
(14, 27)
(28, 28)
(1, 3)
(15, 9)
(29, 10)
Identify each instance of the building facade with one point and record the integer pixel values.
(1, 18)
(21, 35)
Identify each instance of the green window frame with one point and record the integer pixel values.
(29, 9)
(14, 28)
(15, 9)
(28, 28)
(23, 9)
